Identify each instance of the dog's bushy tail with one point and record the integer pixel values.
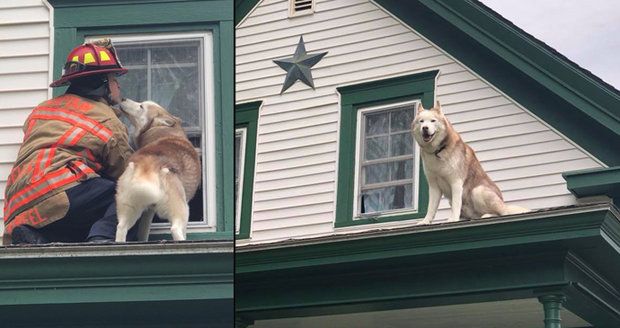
(513, 209)
(143, 184)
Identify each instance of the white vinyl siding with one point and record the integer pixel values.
(25, 43)
(297, 141)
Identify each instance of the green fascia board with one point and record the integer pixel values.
(132, 272)
(586, 221)
(246, 115)
(135, 13)
(117, 285)
(594, 182)
(567, 251)
(546, 83)
(138, 285)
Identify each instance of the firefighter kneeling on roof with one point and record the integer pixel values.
(62, 186)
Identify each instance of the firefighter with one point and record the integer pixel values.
(62, 186)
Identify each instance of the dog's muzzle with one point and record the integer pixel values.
(427, 136)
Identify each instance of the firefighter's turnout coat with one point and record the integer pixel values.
(67, 140)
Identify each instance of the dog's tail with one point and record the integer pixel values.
(513, 209)
(143, 184)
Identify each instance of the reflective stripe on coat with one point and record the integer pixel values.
(67, 140)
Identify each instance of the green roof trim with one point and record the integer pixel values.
(570, 251)
(242, 8)
(121, 285)
(594, 182)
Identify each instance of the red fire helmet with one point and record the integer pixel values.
(87, 60)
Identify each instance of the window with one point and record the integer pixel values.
(246, 116)
(240, 136)
(300, 7)
(380, 178)
(387, 170)
(175, 70)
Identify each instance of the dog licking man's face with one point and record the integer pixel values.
(136, 112)
(428, 124)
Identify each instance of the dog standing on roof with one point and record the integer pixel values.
(452, 170)
(162, 175)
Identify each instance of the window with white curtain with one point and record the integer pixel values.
(387, 175)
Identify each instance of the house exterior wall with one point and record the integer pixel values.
(25, 56)
(294, 191)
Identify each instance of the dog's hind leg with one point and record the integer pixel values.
(127, 215)
(175, 208)
(178, 215)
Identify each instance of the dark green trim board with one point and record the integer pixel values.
(79, 13)
(246, 116)
(594, 182)
(419, 86)
(569, 251)
(546, 83)
(75, 20)
(242, 8)
(129, 285)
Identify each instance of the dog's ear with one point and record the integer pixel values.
(420, 108)
(437, 107)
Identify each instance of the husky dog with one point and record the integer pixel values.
(453, 170)
(162, 175)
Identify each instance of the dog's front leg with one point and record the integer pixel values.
(434, 196)
(457, 200)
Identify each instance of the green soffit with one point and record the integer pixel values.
(564, 95)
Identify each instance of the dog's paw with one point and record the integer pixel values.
(425, 221)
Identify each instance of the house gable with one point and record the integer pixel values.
(523, 67)
(298, 134)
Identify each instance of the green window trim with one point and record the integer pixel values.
(246, 116)
(420, 86)
(75, 20)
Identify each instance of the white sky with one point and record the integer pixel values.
(585, 31)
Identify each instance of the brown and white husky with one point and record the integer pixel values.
(452, 170)
(162, 175)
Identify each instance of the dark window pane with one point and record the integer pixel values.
(376, 173)
(401, 144)
(401, 119)
(376, 148)
(376, 124)
(401, 170)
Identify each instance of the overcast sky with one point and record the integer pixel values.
(585, 31)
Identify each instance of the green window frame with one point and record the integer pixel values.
(246, 118)
(75, 21)
(354, 98)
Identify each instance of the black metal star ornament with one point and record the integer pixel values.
(298, 66)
